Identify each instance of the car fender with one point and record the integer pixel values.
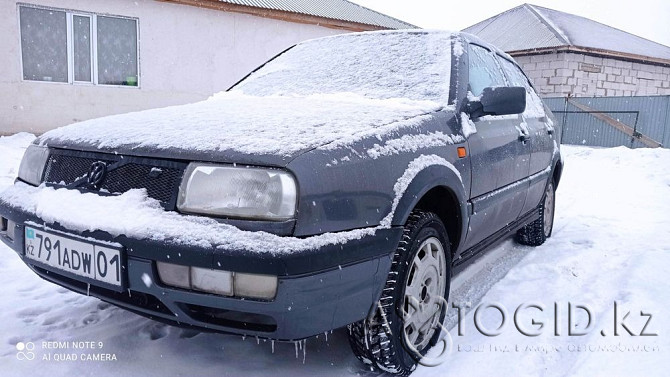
(427, 179)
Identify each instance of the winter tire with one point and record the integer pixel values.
(535, 233)
(409, 315)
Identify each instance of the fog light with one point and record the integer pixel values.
(255, 286)
(219, 282)
(174, 274)
(212, 281)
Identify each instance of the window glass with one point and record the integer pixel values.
(516, 77)
(81, 40)
(484, 70)
(407, 65)
(117, 51)
(43, 44)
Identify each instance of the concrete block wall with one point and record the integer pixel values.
(560, 74)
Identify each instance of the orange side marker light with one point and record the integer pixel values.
(462, 152)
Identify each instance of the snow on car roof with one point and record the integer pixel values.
(315, 94)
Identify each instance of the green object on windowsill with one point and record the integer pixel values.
(131, 80)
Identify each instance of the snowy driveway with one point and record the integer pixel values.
(611, 243)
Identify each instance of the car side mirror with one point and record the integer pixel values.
(498, 101)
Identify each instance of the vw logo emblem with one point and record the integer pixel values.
(96, 174)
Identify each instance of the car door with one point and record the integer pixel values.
(500, 157)
(541, 135)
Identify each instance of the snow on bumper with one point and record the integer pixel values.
(325, 281)
(135, 215)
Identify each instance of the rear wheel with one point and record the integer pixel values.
(410, 312)
(537, 232)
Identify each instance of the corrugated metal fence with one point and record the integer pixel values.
(613, 121)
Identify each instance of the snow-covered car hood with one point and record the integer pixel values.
(238, 128)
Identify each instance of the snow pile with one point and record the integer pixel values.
(337, 88)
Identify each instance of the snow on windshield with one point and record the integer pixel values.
(380, 65)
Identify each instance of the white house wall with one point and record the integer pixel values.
(186, 54)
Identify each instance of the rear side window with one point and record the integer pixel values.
(534, 104)
(484, 70)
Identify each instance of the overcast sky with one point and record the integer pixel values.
(646, 18)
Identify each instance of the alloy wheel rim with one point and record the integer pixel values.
(424, 291)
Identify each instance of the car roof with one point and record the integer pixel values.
(464, 37)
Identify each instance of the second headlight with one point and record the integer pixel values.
(238, 192)
(32, 165)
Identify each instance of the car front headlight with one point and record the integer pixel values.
(239, 192)
(32, 165)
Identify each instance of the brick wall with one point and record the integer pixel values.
(560, 74)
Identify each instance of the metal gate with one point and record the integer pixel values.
(613, 121)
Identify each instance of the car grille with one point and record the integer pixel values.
(161, 178)
(64, 169)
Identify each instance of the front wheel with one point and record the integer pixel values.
(413, 304)
(535, 233)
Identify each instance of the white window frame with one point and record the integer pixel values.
(70, 42)
(93, 34)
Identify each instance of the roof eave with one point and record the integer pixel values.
(594, 52)
(281, 15)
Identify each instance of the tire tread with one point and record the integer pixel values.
(370, 340)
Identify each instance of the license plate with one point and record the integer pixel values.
(93, 261)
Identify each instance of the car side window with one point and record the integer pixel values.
(484, 70)
(516, 77)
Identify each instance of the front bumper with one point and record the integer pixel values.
(319, 290)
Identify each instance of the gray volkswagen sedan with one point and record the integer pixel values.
(342, 183)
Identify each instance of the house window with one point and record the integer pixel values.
(44, 45)
(117, 51)
(76, 47)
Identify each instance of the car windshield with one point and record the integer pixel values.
(379, 65)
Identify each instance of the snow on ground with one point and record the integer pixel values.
(11, 152)
(611, 243)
